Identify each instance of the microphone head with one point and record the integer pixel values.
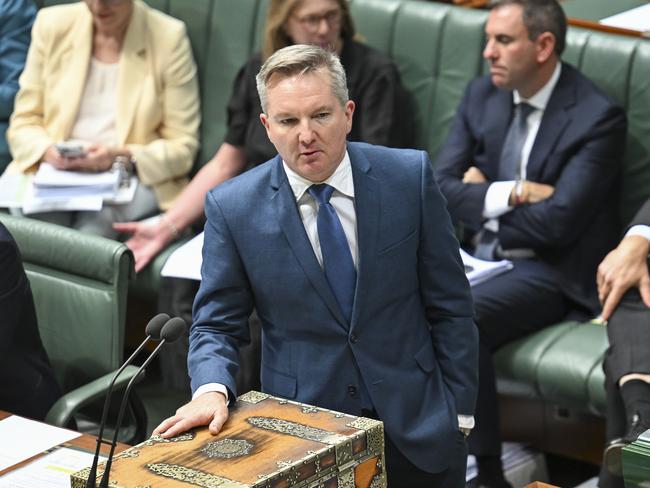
(173, 329)
(155, 326)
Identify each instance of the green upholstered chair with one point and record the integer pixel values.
(79, 283)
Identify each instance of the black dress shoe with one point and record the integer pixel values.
(613, 458)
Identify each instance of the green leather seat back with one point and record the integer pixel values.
(79, 283)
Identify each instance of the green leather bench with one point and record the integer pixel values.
(438, 49)
(79, 283)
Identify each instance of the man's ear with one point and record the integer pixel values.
(265, 121)
(545, 45)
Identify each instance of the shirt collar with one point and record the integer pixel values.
(540, 99)
(340, 180)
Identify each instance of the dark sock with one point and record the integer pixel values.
(490, 471)
(636, 398)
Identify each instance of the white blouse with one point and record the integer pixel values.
(97, 109)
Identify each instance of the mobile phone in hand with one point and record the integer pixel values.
(71, 149)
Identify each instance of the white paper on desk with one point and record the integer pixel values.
(50, 471)
(21, 438)
(14, 189)
(478, 270)
(637, 18)
(185, 262)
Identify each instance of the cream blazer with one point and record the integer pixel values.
(158, 103)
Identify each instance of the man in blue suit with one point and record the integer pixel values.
(347, 253)
(530, 170)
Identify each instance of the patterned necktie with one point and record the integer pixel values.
(509, 169)
(514, 143)
(337, 258)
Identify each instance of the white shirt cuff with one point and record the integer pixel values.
(496, 199)
(210, 387)
(466, 421)
(639, 230)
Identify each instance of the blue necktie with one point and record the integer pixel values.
(337, 258)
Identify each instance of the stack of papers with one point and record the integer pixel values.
(50, 182)
(21, 438)
(53, 190)
(478, 271)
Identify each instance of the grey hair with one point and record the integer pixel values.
(300, 59)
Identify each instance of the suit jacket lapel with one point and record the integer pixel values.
(132, 71)
(554, 121)
(498, 115)
(293, 228)
(368, 211)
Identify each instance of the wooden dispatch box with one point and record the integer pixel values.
(267, 442)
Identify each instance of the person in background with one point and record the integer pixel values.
(530, 169)
(120, 77)
(16, 19)
(383, 112)
(27, 383)
(624, 290)
(348, 254)
(384, 116)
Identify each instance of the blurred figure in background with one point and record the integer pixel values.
(120, 77)
(16, 19)
(383, 113)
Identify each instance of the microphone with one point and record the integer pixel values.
(152, 331)
(171, 331)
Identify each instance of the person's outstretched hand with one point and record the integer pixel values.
(147, 239)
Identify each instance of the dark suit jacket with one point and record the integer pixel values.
(27, 384)
(642, 217)
(412, 341)
(578, 150)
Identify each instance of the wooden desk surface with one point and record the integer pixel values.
(86, 443)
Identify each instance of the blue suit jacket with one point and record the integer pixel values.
(412, 341)
(578, 150)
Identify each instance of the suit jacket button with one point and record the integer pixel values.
(354, 339)
(352, 390)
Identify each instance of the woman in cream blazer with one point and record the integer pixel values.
(157, 112)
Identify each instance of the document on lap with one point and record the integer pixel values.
(55, 190)
(185, 262)
(479, 271)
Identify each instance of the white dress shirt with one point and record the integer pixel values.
(498, 194)
(639, 230)
(343, 202)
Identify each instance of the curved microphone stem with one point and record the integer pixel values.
(120, 416)
(90, 482)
